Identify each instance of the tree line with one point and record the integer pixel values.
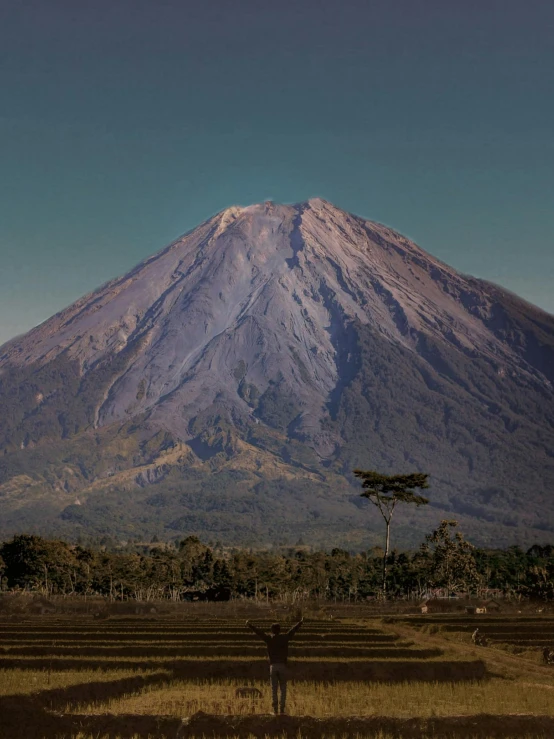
(445, 563)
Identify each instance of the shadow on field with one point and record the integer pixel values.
(42, 714)
(23, 719)
(35, 725)
(330, 652)
(243, 637)
(321, 671)
(335, 671)
(456, 727)
(57, 699)
(56, 665)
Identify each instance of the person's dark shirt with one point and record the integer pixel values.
(277, 644)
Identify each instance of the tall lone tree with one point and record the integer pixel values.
(385, 492)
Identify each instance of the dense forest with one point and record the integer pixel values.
(190, 569)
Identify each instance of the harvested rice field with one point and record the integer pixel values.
(402, 677)
(321, 700)
(517, 635)
(25, 682)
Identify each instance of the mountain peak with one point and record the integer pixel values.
(301, 267)
(273, 208)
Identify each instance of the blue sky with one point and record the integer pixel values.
(126, 123)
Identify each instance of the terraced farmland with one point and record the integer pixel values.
(519, 635)
(141, 677)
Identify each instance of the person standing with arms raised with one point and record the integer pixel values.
(278, 650)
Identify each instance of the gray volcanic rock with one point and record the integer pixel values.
(309, 333)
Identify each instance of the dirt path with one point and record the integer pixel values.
(498, 662)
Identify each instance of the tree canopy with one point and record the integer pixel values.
(385, 492)
(143, 572)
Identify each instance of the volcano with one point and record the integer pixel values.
(227, 386)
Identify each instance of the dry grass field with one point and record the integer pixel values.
(521, 635)
(322, 700)
(177, 675)
(26, 682)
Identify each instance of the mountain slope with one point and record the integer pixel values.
(284, 345)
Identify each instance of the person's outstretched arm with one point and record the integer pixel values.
(257, 631)
(292, 632)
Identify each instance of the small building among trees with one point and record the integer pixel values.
(483, 606)
(476, 608)
(456, 605)
(440, 605)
